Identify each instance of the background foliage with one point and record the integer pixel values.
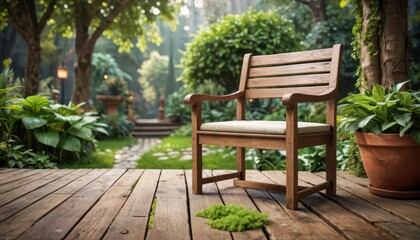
(215, 55)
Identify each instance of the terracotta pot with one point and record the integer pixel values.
(392, 164)
(112, 103)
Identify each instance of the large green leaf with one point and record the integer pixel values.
(34, 104)
(71, 118)
(49, 138)
(70, 143)
(378, 93)
(83, 133)
(407, 127)
(402, 119)
(33, 122)
(365, 121)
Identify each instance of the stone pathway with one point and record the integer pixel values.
(127, 157)
(184, 154)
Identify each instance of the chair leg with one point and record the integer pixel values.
(291, 179)
(331, 168)
(240, 161)
(197, 166)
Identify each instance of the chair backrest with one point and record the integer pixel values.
(272, 76)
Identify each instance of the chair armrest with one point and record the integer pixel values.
(293, 98)
(195, 97)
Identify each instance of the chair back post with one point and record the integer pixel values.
(241, 102)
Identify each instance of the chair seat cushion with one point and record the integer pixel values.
(263, 127)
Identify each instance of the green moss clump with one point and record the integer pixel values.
(233, 218)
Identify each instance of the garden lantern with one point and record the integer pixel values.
(62, 74)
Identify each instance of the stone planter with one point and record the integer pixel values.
(392, 164)
(112, 103)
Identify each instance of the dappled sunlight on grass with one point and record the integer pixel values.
(175, 153)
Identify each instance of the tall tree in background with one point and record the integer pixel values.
(30, 18)
(381, 42)
(318, 9)
(120, 21)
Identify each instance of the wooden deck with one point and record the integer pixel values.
(116, 204)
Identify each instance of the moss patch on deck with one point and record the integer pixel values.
(233, 217)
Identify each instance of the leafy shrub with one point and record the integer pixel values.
(233, 217)
(154, 74)
(12, 155)
(175, 109)
(117, 126)
(215, 55)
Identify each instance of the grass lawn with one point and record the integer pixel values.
(216, 160)
(103, 157)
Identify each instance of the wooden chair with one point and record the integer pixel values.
(307, 76)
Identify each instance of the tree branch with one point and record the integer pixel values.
(107, 21)
(46, 16)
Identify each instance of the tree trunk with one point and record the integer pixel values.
(32, 67)
(385, 56)
(394, 42)
(82, 86)
(85, 43)
(318, 9)
(369, 61)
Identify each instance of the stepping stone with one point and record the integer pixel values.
(173, 153)
(163, 158)
(186, 158)
(158, 154)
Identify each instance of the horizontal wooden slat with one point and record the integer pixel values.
(279, 92)
(284, 70)
(280, 188)
(221, 177)
(242, 141)
(290, 81)
(289, 58)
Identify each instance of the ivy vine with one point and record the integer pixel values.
(374, 26)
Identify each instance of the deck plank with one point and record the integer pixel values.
(171, 215)
(235, 195)
(17, 181)
(198, 202)
(399, 208)
(26, 200)
(13, 174)
(23, 220)
(131, 221)
(116, 204)
(351, 225)
(96, 222)
(73, 209)
(44, 179)
(6, 170)
(285, 223)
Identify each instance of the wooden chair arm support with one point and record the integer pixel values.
(195, 97)
(294, 98)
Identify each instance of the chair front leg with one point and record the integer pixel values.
(291, 158)
(240, 162)
(197, 158)
(331, 167)
(197, 166)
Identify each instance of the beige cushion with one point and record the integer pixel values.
(263, 127)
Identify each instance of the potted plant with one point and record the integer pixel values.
(387, 131)
(112, 93)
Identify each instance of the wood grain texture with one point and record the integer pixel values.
(115, 204)
(199, 202)
(236, 195)
(131, 221)
(171, 215)
(73, 209)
